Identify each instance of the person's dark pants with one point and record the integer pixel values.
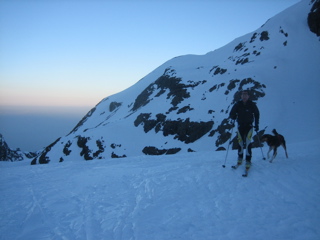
(244, 139)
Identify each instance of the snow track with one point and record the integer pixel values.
(167, 197)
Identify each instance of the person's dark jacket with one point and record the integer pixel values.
(245, 114)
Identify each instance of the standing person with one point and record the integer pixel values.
(245, 112)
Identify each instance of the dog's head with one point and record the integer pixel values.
(267, 138)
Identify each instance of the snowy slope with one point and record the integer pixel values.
(183, 105)
(184, 196)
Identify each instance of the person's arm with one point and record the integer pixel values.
(233, 112)
(256, 117)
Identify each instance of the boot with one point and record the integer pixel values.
(248, 165)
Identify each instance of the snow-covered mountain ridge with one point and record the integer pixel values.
(8, 154)
(183, 105)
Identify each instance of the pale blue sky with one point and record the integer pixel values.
(75, 53)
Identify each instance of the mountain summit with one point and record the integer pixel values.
(183, 105)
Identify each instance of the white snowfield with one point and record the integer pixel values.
(184, 196)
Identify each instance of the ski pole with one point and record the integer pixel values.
(225, 160)
(260, 146)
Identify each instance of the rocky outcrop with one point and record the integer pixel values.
(43, 158)
(184, 130)
(155, 151)
(7, 154)
(172, 86)
(314, 17)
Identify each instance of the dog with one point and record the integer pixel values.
(274, 142)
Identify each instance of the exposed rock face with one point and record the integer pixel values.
(176, 90)
(314, 17)
(183, 130)
(43, 158)
(114, 105)
(156, 151)
(7, 154)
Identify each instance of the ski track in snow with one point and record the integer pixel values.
(187, 196)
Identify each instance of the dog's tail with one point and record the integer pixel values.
(275, 132)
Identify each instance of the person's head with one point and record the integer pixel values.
(245, 96)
